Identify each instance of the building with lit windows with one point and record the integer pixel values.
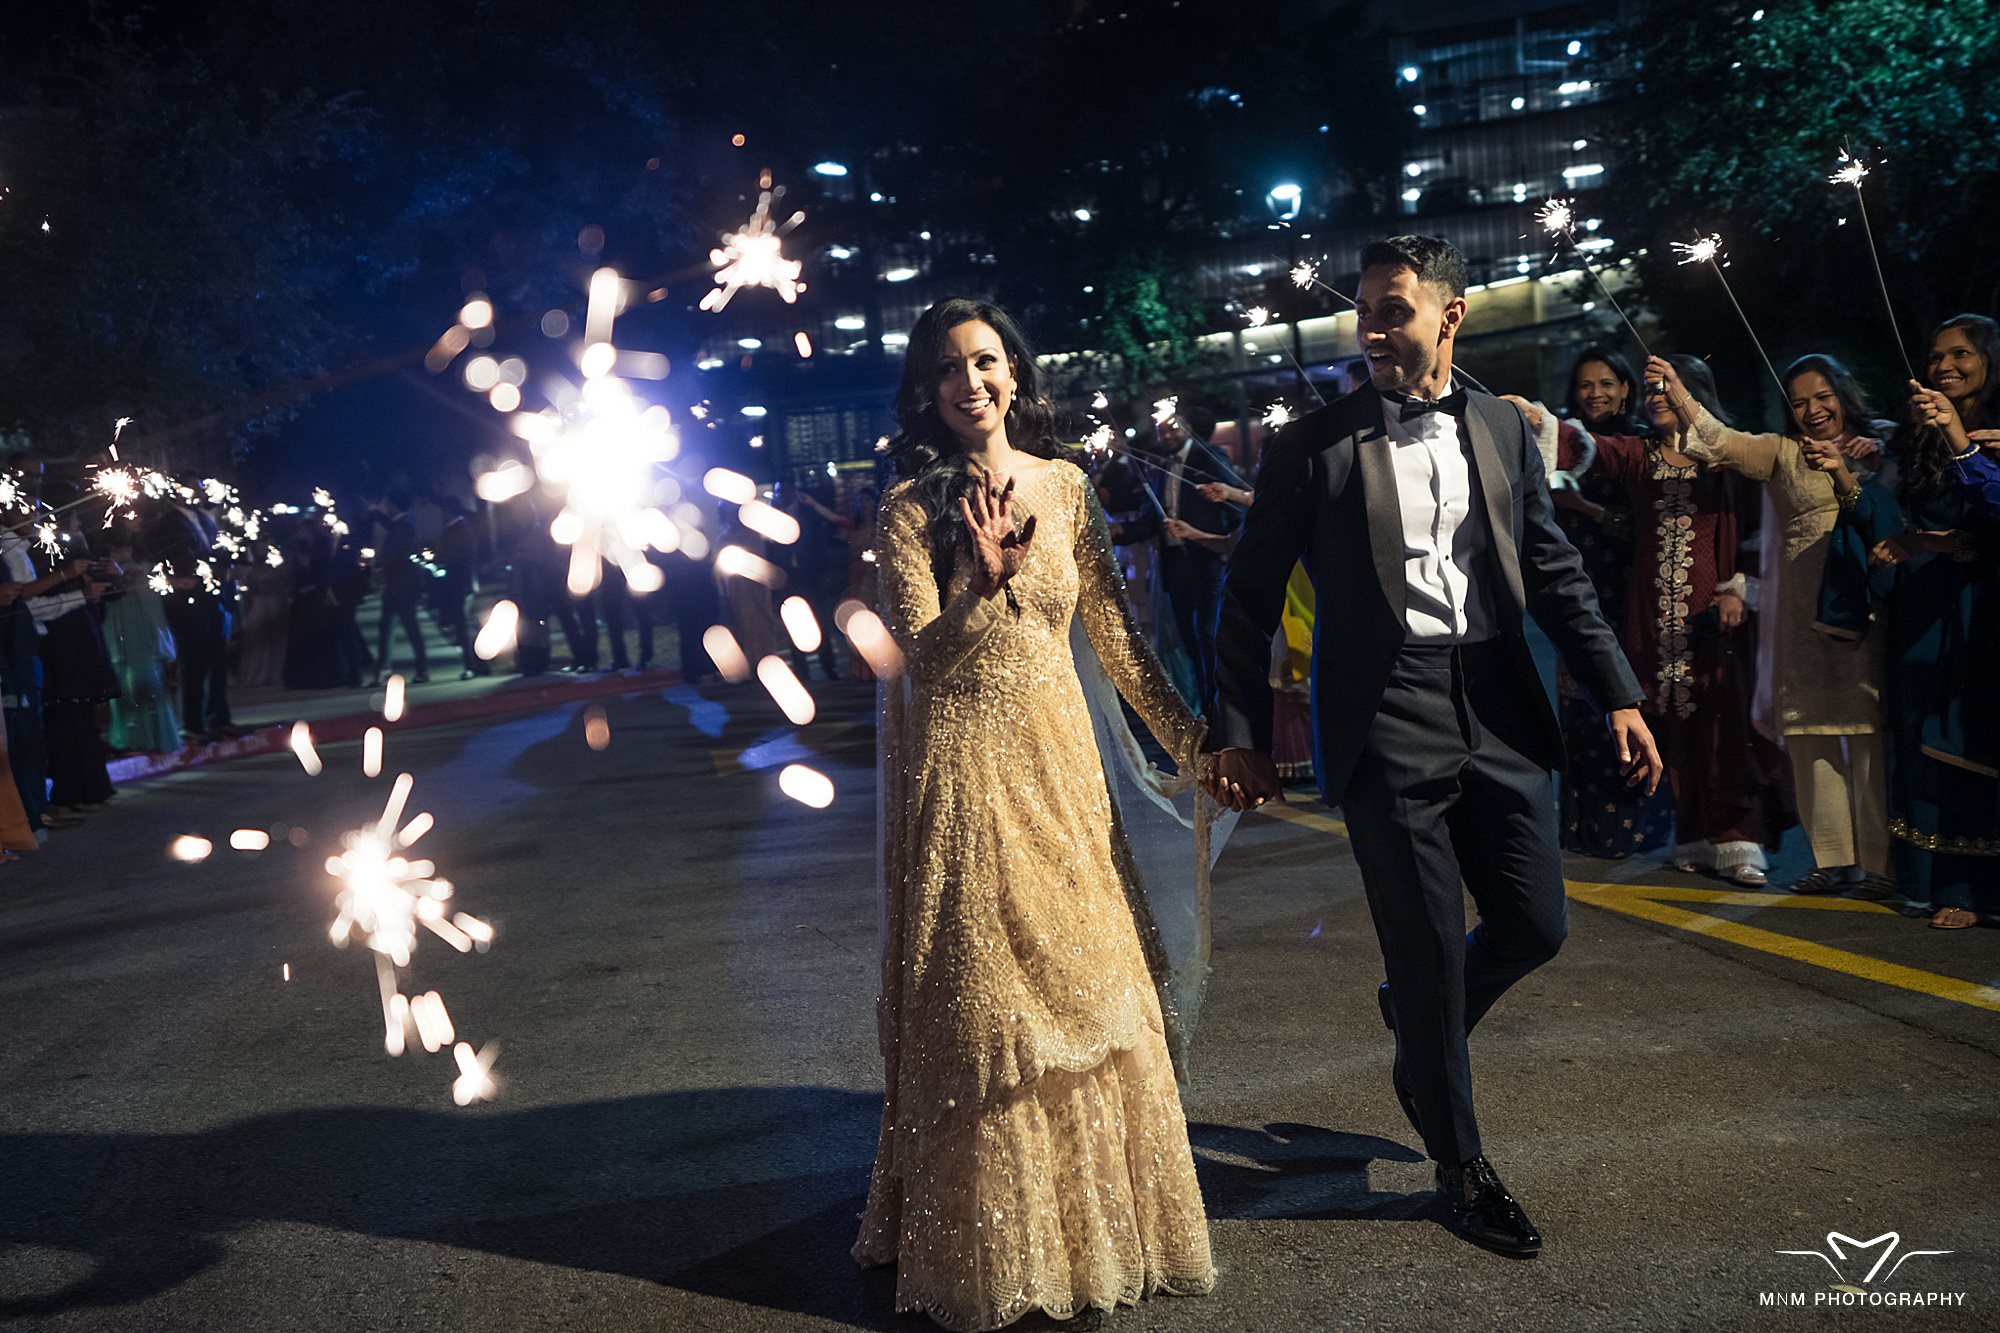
(1504, 104)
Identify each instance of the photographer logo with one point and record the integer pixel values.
(1864, 1274)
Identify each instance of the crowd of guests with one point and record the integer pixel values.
(125, 625)
(1808, 610)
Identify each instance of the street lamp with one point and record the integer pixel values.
(1284, 200)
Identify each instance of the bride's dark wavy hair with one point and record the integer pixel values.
(924, 449)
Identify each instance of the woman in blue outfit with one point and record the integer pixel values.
(1913, 558)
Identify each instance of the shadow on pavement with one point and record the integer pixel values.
(744, 1194)
(1300, 1172)
(748, 1194)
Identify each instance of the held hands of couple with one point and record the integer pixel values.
(998, 551)
(1240, 779)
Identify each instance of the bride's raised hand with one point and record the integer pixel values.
(998, 551)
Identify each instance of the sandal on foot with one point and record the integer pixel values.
(1875, 888)
(1818, 880)
(1750, 877)
(1953, 918)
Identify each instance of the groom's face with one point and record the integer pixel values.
(1405, 327)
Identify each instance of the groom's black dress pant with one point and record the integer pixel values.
(1444, 795)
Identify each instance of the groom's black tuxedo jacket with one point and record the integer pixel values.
(1327, 494)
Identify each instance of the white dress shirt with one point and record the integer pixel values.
(1443, 536)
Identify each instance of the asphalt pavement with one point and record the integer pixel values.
(680, 990)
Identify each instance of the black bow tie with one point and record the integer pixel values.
(1452, 404)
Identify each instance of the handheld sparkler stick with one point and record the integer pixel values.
(1259, 317)
(1708, 250)
(1852, 172)
(1558, 219)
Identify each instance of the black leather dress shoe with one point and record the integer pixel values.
(1396, 1078)
(1478, 1207)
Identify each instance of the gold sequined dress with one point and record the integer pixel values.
(1034, 1154)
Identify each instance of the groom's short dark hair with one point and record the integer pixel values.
(1432, 258)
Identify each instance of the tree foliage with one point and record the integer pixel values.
(1743, 110)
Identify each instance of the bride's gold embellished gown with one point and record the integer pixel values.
(1033, 1152)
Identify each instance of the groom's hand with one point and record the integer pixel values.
(1244, 779)
(1638, 757)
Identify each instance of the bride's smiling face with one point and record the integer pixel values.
(975, 382)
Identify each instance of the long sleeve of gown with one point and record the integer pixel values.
(1115, 636)
(934, 638)
(1755, 456)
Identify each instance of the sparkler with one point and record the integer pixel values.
(755, 257)
(1558, 219)
(161, 579)
(384, 897)
(119, 485)
(1852, 172)
(1258, 318)
(1277, 416)
(1708, 250)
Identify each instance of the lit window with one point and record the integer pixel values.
(1576, 48)
(750, 344)
(1411, 195)
(1413, 169)
(1518, 103)
(753, 411)
(850, 323)
(1578, 145)
(1575, 174)
(837, 169)
(1411, 74)
(899, 275)
(1421, 109)
(1081, 215)
(839, 252)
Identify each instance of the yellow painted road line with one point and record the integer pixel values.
(1304, 818)
(1653, 902)
(1642, 901)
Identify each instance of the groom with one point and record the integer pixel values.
(1424, 519)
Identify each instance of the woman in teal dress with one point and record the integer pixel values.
(1912, 558)
(135, 629)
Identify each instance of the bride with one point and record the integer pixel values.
(1033, 1152)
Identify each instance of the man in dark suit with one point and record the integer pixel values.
(1424, 518)
(1190, 570)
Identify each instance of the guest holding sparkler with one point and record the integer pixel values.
(77, 676)
(1034, 1153)
(266, 620)
(198, 612)
(1602, 814)
(1829, 691)
(1912, 563)
(21, 663)
(142, 647)
(1193, 533)
(1686, 629)
(402, 581)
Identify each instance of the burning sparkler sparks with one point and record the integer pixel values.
(1558, 218)
(754, 257)
(1277, 416)
(1708, 250)
(1257, 316)
(160, 580)
(1853, 171)
(1164, 410)
(1703, 250)
(1305, 274)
